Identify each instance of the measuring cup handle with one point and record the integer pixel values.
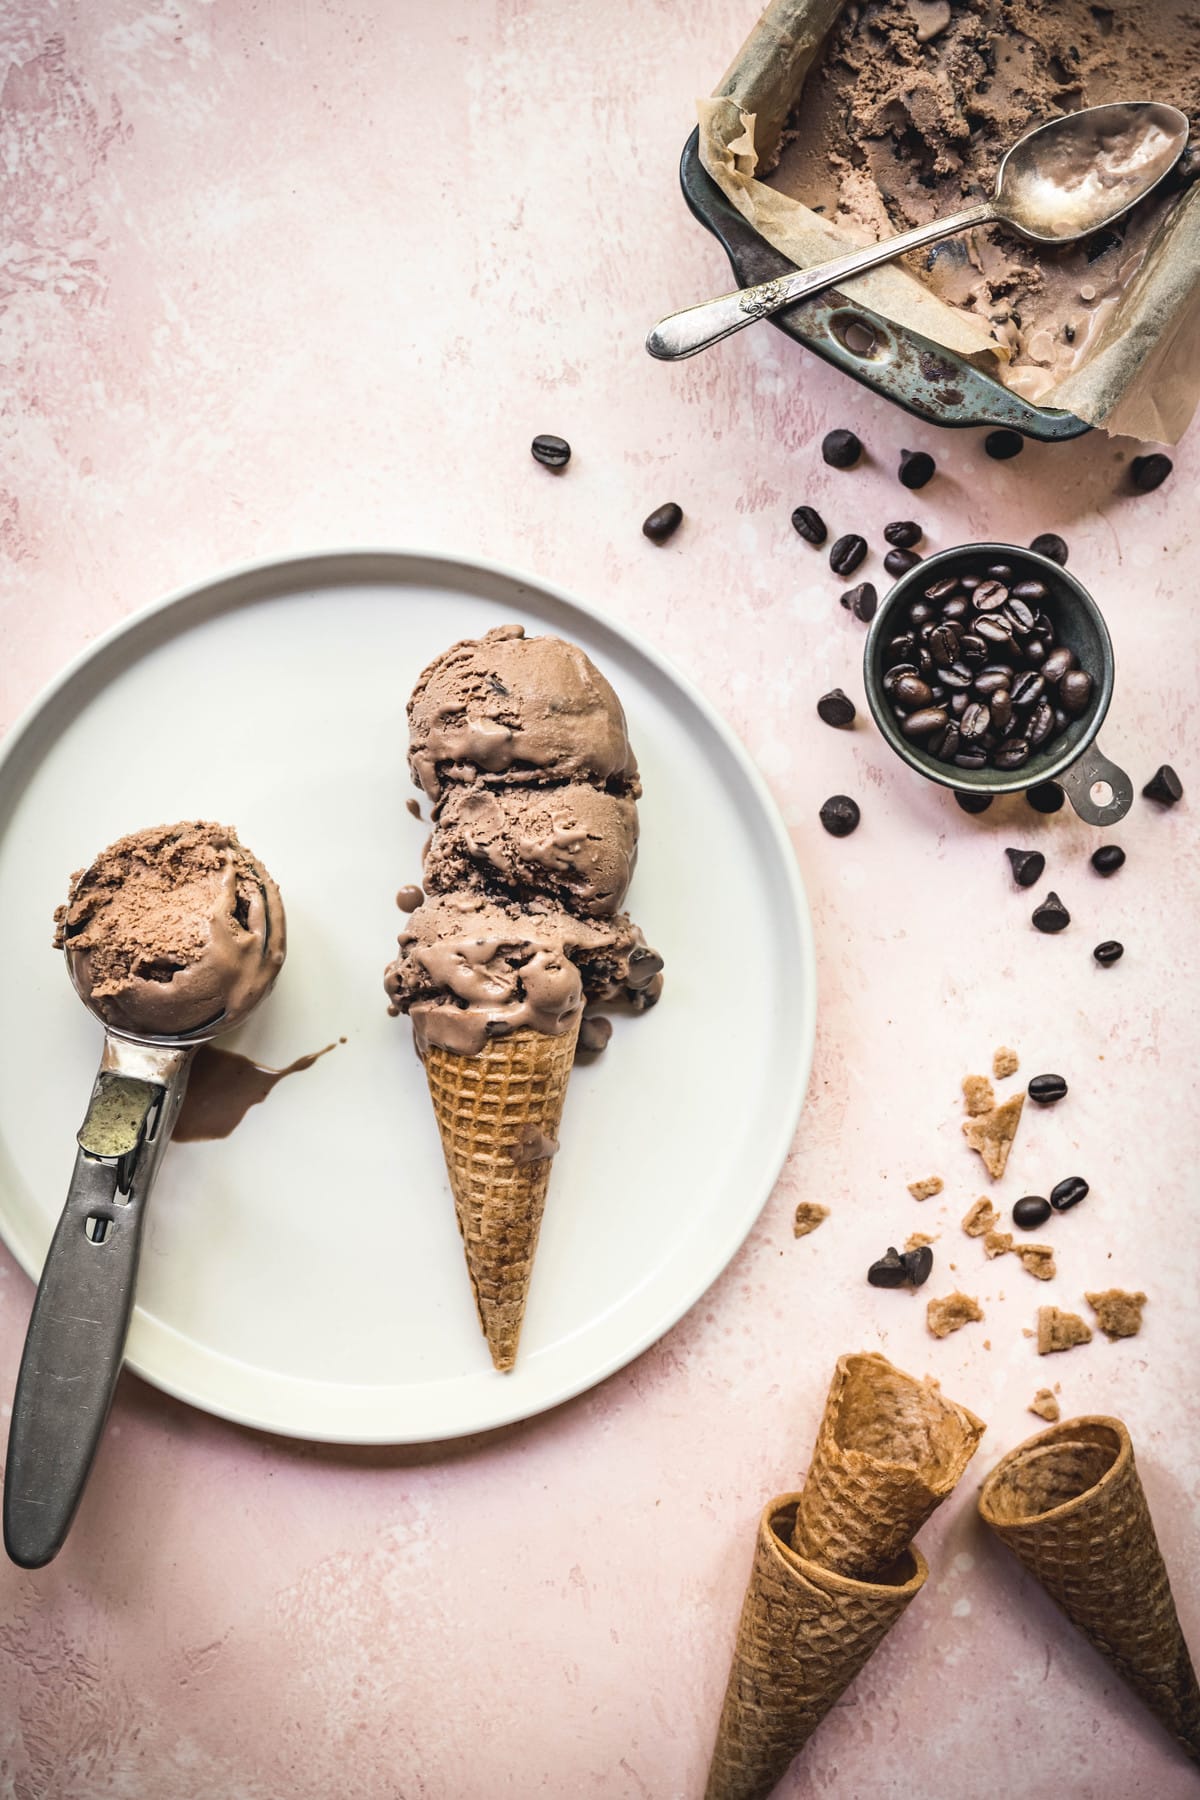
(1082, 776)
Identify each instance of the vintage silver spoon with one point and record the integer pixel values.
(1061, 181)
(76, 1338)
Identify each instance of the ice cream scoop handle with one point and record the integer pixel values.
(76, 1338)
(684, 333)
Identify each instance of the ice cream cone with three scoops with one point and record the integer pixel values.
(520, 744)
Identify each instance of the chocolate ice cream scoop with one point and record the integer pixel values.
(171, 936)
(575, 844)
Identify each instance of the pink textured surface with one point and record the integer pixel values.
(283, 276)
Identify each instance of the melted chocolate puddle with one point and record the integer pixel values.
(222, 1088)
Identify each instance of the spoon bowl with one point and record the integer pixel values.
(1075, 175)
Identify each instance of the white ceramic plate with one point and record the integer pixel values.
(305, 1275)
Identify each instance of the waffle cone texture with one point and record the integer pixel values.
(1069, 1504)
(805, 1633)
(487, 1108)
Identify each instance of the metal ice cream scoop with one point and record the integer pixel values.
(76, 1337)
(1059, 182)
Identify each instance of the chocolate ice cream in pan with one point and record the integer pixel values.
(521, 745)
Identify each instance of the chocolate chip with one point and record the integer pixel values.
(644, 965)
(847, 553)
(1030, 1212)
(1108, 952)
(840, 815)
(902, 534)
(1047, 1089)
(1068, 1193)
(552, 452)
(916, 468)
(836, 708)
(841, 449)
(1149, 472)
(663, 522)
(1000, 445)
(899, 562)
(1046, 797)
(888, 1271)
(972, 802)
(1107, 859)
(1027, 866)
(862, 601)
(809, 524)
(918, 1264)
(1051, 545)
(1164, 786)
(1051, 915)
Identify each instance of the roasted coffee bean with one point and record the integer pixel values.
(1012, 754)
(1000, 445)
(1033, 593)
(809, 524)
(888, 1271)
(1068, 1193)
(1041, 723)
(1050, 545)
(969, 583)
(943, 589)
(972, 802)
(912, 692)
(663, 522)
(862, 601)
(1051, 915)
(1057, 664)
(972, 649)
(1002, 709)
(960, 701)
(1027, 866)
(1075, 692)
(902, 534)
(841, 449)
(1108, 952)
(957, 677)
(916, 468)
(943, 645)
(918, 1264)
(553, 452)
(1001, 572)
(840, 815)
(990, 681)
(1108, 859)
(899, 649)
(921, 613)
(925, 723)
(994, 630)
(1021, 615)
(888, 684)
(955, 610)
(1034, 651)
(899, 562)
(989, 595)
(847, 553)
(1046, 797)
(1148, 472)
(937, 693)
(1030, 1212)
(1046, 1089)
(1164, 786)
(1044, 626)
(1027, 689)
(836, 708)
(988, 741)
(975, 720)
(945, 747)
(971, 759)
(925, 663)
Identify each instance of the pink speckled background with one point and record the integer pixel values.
(265, 287)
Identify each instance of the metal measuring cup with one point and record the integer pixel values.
(1100, 792)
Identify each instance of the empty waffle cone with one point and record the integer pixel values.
(498, 1114)
(805, 1633)
(888, 1451)
(1069, 1505)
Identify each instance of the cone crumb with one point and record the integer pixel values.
(952, 1311)
(993, 1134)
(1045, 1406)
(926, 1188)
(809, 1214)
(1060, 1330)
(916, 1240)
(1005, 1062)
(1036, 1260)
(979, 1096)
(1118, 1314)
(998, 1243)
(980, 1218)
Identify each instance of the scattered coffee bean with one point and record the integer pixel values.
(836, 708)
(916, 468)
(1068, 1193)
(841, 449)
(1107, 859)
(862, 601)
(972, 802)
(1000, 445)
(918, 1264)
(552, 452)
(903, 534)
(847, 553)
(888, 1271)
(1046, 1089)
(1108, 952)
(1030, 1212)
(1051, 915)
(663, 522)
(1027, 866)
(1164, 786)
(1148, 472)
(840, 815)
(899, 562)
(809, 524)
(1050, 544)
(1046, 797)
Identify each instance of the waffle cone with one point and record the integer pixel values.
(485, 1105)
(805, 1633)
(1069, 1504)
(888, 1451)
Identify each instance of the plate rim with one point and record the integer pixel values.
(21, 736)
